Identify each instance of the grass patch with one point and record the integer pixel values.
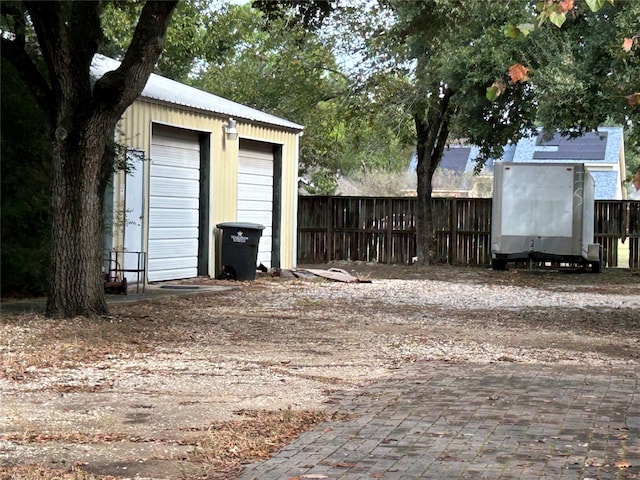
(230, 445)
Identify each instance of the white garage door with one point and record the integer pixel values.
(255, 192)
(174, 200)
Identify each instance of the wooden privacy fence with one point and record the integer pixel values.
(383, 230)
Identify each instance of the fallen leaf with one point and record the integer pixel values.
(343, 465)
(622, 464)
(627, 44)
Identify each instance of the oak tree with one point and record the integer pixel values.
(440, 54)
(52, 45)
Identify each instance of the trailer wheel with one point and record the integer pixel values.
(498, 264)
(596, 267)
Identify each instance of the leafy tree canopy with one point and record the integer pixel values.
(309, 14)
(583, 61)
(276, 57)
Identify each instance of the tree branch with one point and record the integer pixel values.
(116, 90)
(437, 120)
(15, 51)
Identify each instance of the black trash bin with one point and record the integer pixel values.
(240, 249)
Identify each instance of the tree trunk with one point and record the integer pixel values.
(82, 113)
(432, 131)
(425, 241)
(75, 282)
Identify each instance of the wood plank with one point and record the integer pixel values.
(382, 229)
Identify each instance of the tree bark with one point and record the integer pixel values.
(75, 282)
(432, 128)
(82, 115)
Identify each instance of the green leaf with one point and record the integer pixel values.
(544, 14)
(526, 28)
(519, 31)
(492, 93)
(595, 5)
(557, 18)
(511, 31)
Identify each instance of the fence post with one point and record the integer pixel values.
(389, 213)
(330, 239)
(453, 230)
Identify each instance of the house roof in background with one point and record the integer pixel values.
(455, 158)
(602, 152)
(167, 90)
(590, 147)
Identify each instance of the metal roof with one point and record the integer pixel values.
(170, 91)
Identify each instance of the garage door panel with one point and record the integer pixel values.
(174, 248)
(182, 140)
(164, 135)
(176, 172)
(157, 273)
(175, 140)
(255, 192)
(173, 263)
(179, 159)
(177, 219)
(264, 248)
(170, 263)
(249, 205)
(248, 179)
(252, 167)
(173, 187)
(158, 233)
(174, 202)
(263, 218)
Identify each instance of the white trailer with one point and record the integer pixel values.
(543, 212)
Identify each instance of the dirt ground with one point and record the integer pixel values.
(194, 386)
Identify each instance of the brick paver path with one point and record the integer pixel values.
(469, 421)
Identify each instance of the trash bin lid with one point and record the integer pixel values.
(255, 226)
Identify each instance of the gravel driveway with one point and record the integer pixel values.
(142, 392)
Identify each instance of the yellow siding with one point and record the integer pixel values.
(134, 130)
